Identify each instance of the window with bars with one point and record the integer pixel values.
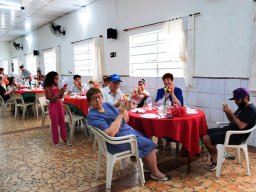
(84, 59)
(31, 64)
(149, 57)
(49, 61)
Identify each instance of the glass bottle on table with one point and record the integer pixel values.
(149, 104)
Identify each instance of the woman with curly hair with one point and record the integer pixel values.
(54, 94)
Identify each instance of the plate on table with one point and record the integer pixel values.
(138, 110)
(191, 111)
(149, 115)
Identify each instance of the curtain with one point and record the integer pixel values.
(99, 59)
(188, 68)
(175, 40)
(252, 79)
(180, 40)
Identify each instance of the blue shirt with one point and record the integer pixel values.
(177, 92)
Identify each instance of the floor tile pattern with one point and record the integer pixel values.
(30, 162)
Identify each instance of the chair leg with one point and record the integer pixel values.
(220, 156)
(238, 156)
(98, 165)
(245, 148)
(72, 130)
(43, 119)
(110, 164)
(24, 111)
(16, 111)
(141, 172)
(3, 109)
(94, 143)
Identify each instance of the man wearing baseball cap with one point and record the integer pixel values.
(112, 93)
(243, 118)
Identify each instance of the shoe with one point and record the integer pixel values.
(213, 167)
(166, 178)
(146, 170)
(68, 143)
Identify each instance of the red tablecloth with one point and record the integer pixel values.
(35, 91)
(187, 130)
(80, 102)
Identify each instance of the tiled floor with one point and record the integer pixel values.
(30, 162)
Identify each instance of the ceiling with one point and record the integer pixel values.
(15, 22)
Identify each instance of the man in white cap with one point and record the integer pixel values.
(112, 93)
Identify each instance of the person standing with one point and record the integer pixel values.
(26, 74)
(54, 94)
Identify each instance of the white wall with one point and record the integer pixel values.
(4, 50)
(223, 33)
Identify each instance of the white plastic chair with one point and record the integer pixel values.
(19, 102)
(4, 104)
(71, 120)
(37, 104)
(221, 149)
(102, 140)
(44, 108)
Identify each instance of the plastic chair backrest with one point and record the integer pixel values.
(68, 112)
(18, 97)
(42, 102)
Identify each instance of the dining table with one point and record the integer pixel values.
(186, 129)
(80, 102)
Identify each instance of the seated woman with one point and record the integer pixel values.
(173, 93)
(12, 85)
(5, 94)
(139, 94)
(114, 123)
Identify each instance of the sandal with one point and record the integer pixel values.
(166, 178)
(213, 166)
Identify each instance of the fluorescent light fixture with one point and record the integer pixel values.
(9, 7)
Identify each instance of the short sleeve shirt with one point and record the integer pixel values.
(74, 88)
(110, 98)
(25, 73)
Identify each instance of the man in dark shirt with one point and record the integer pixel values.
(242, 119)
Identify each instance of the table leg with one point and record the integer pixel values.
(184, 153)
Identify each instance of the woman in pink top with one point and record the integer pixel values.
(56, 111)
(139, 94)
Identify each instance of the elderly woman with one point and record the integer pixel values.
(169, 90)
(139, 94)
(114, 123)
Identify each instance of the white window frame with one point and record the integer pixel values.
(50, 60)
(31, 64)
(148, 56)
(84, 58)
(5, 66)
(15, 66)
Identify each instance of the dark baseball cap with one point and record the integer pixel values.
(115, 78)
(239, 93)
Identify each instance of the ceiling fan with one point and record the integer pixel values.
(17, 46)
(56, 29)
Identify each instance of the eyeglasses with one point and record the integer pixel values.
(96, 97)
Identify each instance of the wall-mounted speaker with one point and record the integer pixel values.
(111, 33)
(36, 52)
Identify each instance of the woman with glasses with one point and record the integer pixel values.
(113, 122)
